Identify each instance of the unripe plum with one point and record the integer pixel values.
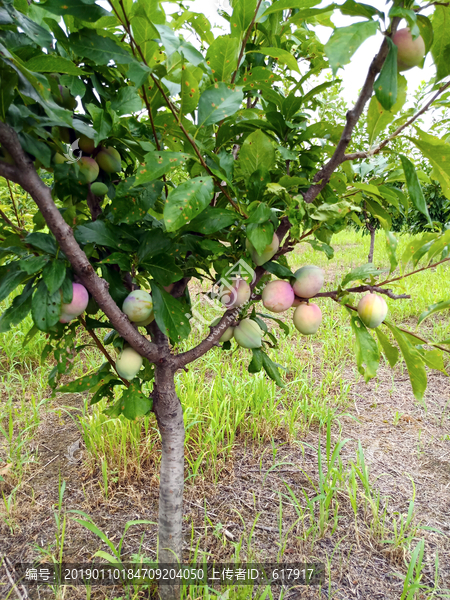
(307, 318)
(109, 160)
(99, 189)
(410, 52)
(269, 252)
(59, 159)
(278, 296)
(146, 321)
(129, 363)
(64, 134)
(372, 310)
(138, 306)
(238, 295)
(86, 144)
(308, 281)
(66, 100)
(80, 299)
(248, 334)
(227, 334)
(88, 169)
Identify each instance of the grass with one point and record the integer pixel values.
(230, 413)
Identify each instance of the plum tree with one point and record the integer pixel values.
(269, 251)
(240, 161)
(278, 296)
(236, 294)
(307, 318)
(138, 306)
(248, 334)
(372, 310)
(88, 169)
(410, 51)
(308, 281)
(129, 363)
(77, 306)
(109, 160)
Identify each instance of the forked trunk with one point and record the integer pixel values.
(169, 415)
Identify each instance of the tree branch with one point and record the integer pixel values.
(27, 177)
(322, 176)
(381, 145)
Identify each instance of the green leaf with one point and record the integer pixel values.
(45, 307)
(426, 31)
(391, 247)
(390, 351)
(20, 307)
(257, 151)
(386, 84)
(42, 241)
(332, 212)
(32, 30)
(85, 10)
(127, 101)
(96, 324)
(212, 219)
(287, 4)
(218, 102)
(443, 305)
(346, 40)
(158, 164)
(414, 187)
(271, 369)
(414, 362)
(54, 274)
(187, 201)
(356, 9)
(87, 382)
(11, 276)
(162, 268)
(101, 121)
(170, 315)
(378, 118)
(260, 235)
(440, 49)
(118, 258)
(153, 242)
(280, 56)
(242, 16)
(279, 270)
(222, 57)
(380, 213)
(53, 63)
(134, 403)
(189, 91)
(433, 359)
(106, 390)
(366, 349)
(260, 215)
(99, 233)
(363, 273)
(97, 48)
(131, 204)
(33, 264)
(67, 290)
(438, 153)
(256, 363)
(280, 322)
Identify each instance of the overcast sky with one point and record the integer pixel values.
(353, 75)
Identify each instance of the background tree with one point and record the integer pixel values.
(182, 162)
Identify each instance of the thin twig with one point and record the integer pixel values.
(13, 203)
(414, 272)
(381, 145)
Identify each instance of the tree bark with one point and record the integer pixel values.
(372, 245)
(169, 415)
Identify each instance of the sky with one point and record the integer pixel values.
(352, 75)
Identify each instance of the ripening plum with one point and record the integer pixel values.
(308, 281)
(80, 299)
(88, 169)
(269, 252)
(227, 334)
(146, 321)
(65, 99)
(297, 302)
(410, 52)
(372, 310)
(238, 295)
(108, 159)
(138, 306)
(307, 318)
(86, 144)
(99, 189)
(129, 363)
(278, 296)
(248, 334)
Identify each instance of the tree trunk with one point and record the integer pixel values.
(169, 415)
(372, 244)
